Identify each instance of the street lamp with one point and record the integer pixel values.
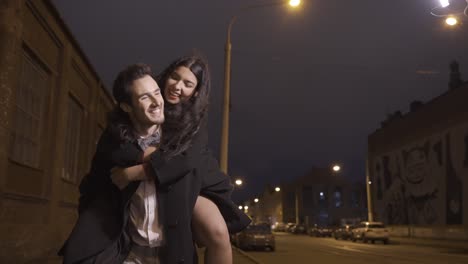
(370, 204)
(444, 3)
(256, 200)
(449, 13)
(295, 3)
(223, 157)
(277, 189)
(336, 168)
(238, 182)
(451, 21)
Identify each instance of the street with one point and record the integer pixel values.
(304, 249)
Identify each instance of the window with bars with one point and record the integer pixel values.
(73, 166)
(31, 97)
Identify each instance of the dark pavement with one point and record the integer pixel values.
(293, 249)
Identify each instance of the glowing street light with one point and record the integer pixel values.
(370, 182)
(256, 200)
(451, 21)
(444, 3)
(238, 182)
(295, 3)
(277, 189)
(246, 208)
(240, 207)
(336, 168)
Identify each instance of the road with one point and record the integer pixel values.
(239, 257)
(293, 249)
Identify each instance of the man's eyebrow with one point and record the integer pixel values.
(149, 93)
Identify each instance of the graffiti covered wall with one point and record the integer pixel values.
(422, 183)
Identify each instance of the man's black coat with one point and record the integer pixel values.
(98, 235)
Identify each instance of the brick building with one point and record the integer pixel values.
(52, 111)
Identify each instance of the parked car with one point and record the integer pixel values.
(320, 231)
(256, 236)
(279, 227)
(289, 226)
(370, 231)
(298, 229)
(344, 232)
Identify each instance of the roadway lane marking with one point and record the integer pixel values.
(348, 248)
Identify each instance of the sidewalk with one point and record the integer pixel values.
(438, 243)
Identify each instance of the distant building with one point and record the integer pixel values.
(52, 111)
(418, 162)
(269, 207)
(320, 197)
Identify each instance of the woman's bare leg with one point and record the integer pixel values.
(211, 231)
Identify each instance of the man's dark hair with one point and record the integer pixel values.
(182, 120)
(119, 122)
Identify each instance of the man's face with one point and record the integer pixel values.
(147, 107)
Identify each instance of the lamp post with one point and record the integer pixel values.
(370, 204)
(223, 159)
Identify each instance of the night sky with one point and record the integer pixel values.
(308, 85)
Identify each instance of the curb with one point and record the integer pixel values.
(243, 253)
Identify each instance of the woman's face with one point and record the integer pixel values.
(180, 86)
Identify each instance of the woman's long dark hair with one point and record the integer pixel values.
(182, 120)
